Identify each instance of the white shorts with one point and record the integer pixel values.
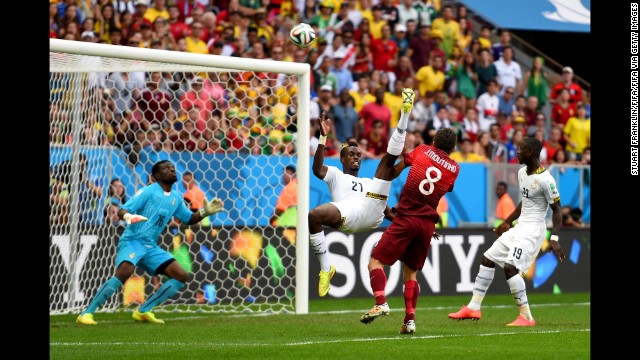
(518, 246)
(368, 213)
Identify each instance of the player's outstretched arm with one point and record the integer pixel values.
(319, 169)
(556, 218)
(506, 225)
(210, 207)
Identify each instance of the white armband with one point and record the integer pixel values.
(553, 238)
(322, 140)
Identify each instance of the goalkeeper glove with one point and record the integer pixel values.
(211, 207)
(133, 218)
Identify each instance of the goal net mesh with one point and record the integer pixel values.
(231, 134)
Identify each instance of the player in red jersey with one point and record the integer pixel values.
(432, 174)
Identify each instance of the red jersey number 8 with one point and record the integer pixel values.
(430, 180)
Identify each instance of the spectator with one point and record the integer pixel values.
(420, 47)
(512, 146)
(505, 41)
(467, 80)
(154, 102)
(536, 82)
(440, 120)
(177, 27)
(577, 133)
(431, 77)
(116, 194)
(563, 109)
(376, 139)
(194, 40)
(450, 29)
(553, 142)
(464, 41)
(200, 98)
(507, 101)
(509, 72)
(571, 217)
(58, 198)
(390, 12)
(90, 192)
(586, 156)
(486, 70)
(575, 91)
(471, 124)
(373, 111)
(423, 112)
(487, 106)
(539, 124)
(484, 39)
(345, 118)
(106, 22)
(466, 154)
(340, 72)
(504, 205)
(408, 11)
(498, 149)
(531, 110)
(427, 12)
(560, 160)
(483, 145)
(288, 198)
(111, 215)
(385, 50)
(115, 36)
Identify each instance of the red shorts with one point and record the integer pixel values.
(407, 239)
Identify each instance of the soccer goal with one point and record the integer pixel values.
(235, 128)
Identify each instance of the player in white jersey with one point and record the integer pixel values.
(516, 248)
(359, 204)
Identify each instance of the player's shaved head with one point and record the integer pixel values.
(445, 140)
(532, 144)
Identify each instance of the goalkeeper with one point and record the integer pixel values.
(147, 215)
(359, 204)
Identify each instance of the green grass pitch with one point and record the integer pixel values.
(332, 330)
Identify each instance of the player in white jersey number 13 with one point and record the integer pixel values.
(516, 248)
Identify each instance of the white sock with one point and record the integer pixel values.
(480, 287)
(319, 247)
(396, 143)
(519, 293)
(404, 120)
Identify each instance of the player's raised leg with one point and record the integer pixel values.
(395, 147)
(178, 277)
(329, 215)
(396, 143)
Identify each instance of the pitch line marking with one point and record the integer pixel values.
(304, 343)
(333, 312)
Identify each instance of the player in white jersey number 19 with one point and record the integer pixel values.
(516, 248)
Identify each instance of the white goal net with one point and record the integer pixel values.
(235, 128)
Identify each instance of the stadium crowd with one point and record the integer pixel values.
(366, 51)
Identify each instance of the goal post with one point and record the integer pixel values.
(86, 99)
